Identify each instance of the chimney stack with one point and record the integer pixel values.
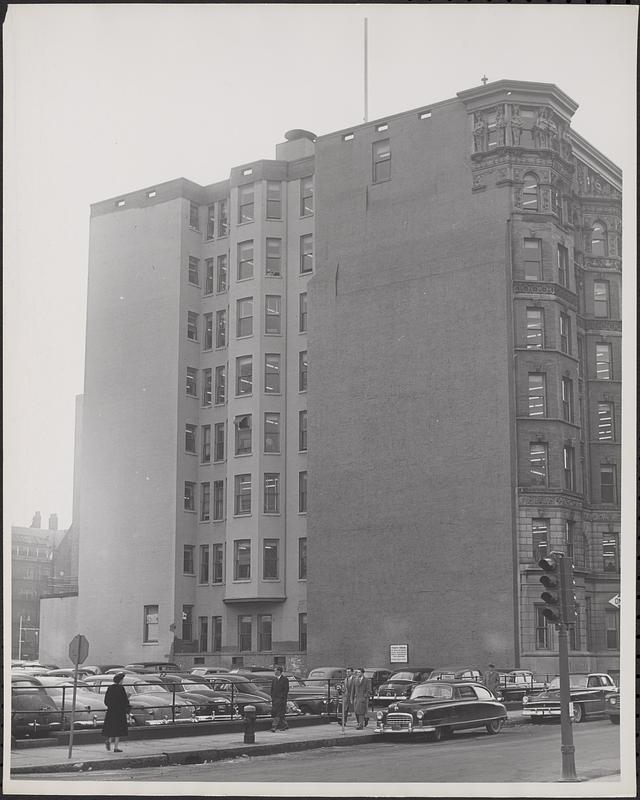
(36, 522)
(53, 522)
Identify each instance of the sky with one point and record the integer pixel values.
(100, 100)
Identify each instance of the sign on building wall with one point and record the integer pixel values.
(398, 653)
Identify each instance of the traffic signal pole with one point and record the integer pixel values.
(566, 733)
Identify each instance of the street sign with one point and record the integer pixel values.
(398, 653)
(78, 649)
(615, 601)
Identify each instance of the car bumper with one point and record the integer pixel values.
(411, 728)
(541, 712)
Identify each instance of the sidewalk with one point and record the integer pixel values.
(192, 749)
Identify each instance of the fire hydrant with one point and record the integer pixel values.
(249, 724)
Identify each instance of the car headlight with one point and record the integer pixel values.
(613, 700)
(525, 700)
(420, 714)
(379, 714)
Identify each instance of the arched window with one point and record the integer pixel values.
(598, 240)
(530, 192)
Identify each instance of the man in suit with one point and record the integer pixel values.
(279, 694)
(360, 693)
(346, 695)
(492, 679)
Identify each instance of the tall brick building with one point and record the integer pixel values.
(460, 366)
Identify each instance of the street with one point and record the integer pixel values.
(523, 753)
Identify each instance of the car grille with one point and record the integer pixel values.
(398, 722)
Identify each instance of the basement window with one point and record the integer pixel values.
(347, 137)
(151, 194)
(424, 115)
(247, 171)
(382, 127)
(121, 203)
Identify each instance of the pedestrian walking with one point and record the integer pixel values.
(279, 694)
(492, 679)
(360, 693)
(115, 720)
(347, 702)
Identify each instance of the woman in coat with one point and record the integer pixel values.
(115, 720)
(360, 693)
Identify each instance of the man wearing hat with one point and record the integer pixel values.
(279, 694)
(492, 679)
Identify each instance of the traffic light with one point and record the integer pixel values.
(551, 581)
(568, 594)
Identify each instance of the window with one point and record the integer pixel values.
(611, 617)
(244, 375)
(216, 634)
(245, 203)
(207, 337)
(568, 468)
(306, 253)
(565, 333)
(302, 492)
(242, 494)
(218, 564)
(270, 559)
(220, 385)
(244, 633)
(194, 221)
(302, 631)
(608, 488)
(540, 532)
(203, 634)
(538, 474)
(221, 328)
(530, 192)
(206, 387)
(556, 202)
(303, 367)
(205, 454)
(218, 500)
(588, 618)
(381, 161)
(150, 624)
(189, 496)
(272, 314)
(242, 560)
(274, 200)
(535, 329)
(272, 493)
(543, 633)
(264, 631)
(208, 276)
(566, 391)
(302, 558)
(194, 271)
(532, 260)
(306, 196)
(603, 361)
(190, 438)
(537, 394)
(303, 312)
(211, 221)
(606, 427)
(245, 260)
(598, 240)
(272, 373)
(244, 323)
(222, 268)
(187, 623)
(205, 502)
(601, 298)
(192, 326)
(204, 563)
(243, 434)
(192, 381)
(272, 432)
(218, 441)
(302, 431)
(563, 265)
(187, 560)
(223, 218)
(274, 258)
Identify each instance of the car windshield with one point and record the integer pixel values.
(575, 682)
(402, 676)
(195, 687)
(440, 691)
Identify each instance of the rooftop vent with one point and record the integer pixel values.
(299, 133)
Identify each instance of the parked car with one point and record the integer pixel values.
(457, 674)
(441, 707)
(68, 673)
(587, 691)
(208, 703)
(151, 702)
(320, 677)
(90, 710)
(309, 699)
(515, 683)
(243, 692)
(399, 685)
(153, 666)
(377, 676)
(33, 712)
(204, 671)
(101, 669)
(612, 707)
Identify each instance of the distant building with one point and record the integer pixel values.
(439, 291)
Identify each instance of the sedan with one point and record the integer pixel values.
(33, 712)
(440, 707)
(518, 682)
(309, 699)
(587, 693)
(89, 708)
(209, 704)
(151, 703)
(612, 707)
(243, 693)
(399, 685)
